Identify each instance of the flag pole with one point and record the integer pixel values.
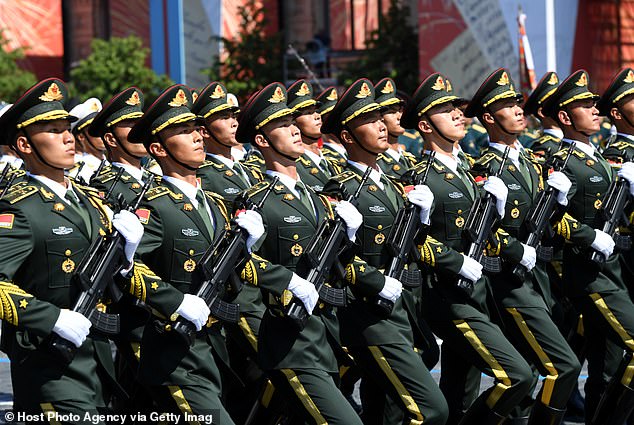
(551, 49)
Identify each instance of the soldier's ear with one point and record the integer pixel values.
(564, 118)
(540, 113)
(157, 150)
(424, 126)
(487, 118)
(346, 137)
(109, 140)
(22, 144)
(615, 114)
(260, 140)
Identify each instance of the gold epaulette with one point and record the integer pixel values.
(106, 175)
(19, 191)
(620, 145)
(257, 188)
(208, 163)
(385, 158)
(87, 189)
(545, 138)
(305, 161)
(345, 176)
(156, 192)
(485, 159)
(576, 152)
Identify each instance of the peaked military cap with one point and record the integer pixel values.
(127, 105)
(497, 86)
(85, 113)
(545, 88)
(327, 100)
(435, 90)
(300, 95)
(573, 88)
(172, 107)
(621, 86)
(385, 93)
(42, 102)
(212, 99)
(357, 100)
(262, 107)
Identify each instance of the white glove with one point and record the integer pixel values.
(351, 216)
(251, 221)
(627, 172)
(305, 291)
(423, 197)
(558, 181)
(128, 224)
(72, 326)
(529, 257)
(603, 243)
(195, 310)
(470, 269)
(496, 187)
(391, 289)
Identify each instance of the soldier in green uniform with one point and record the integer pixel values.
(312, 166)
(394, 161)
(47, 224)
(332, 148)
(91, 150)
(470, 338)
(597, 292)
(220, 173)
(300, 363)
(181, 221)
(548, 142)
(524, 314)
(381, 343)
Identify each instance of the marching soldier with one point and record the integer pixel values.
(91, 150)
(220, 173)
(548, 143)
(381, 343)
(47, 224)
(520, 301)
(470, 338)
(300, 363)
(394, 161)
(332, 149)
(597, 292)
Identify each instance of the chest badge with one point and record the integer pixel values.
(459, 222)
(190, 232)
(456, 195)
(514, 186)
(231, 190)
(68, 266)
(597, 204)
(292, 219)
(596, 179)
(377, 209)
(379, 238)
(62, 230)
(189, 265)
(515, 212)
(296, 250)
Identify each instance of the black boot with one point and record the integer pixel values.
(546, 415)
(480, 414)
(575, 409)
(517, 421)
(616, 405)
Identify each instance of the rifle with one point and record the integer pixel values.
(538, 220)
(102, 164)
(477, 230)
(95, 275)
(320, 257)
(78, 178)
(114, 183)
(8, 185)
(216, 269)
(5, 172)
(400, 243)
(611, 213)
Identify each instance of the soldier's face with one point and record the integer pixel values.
(223, 126)
(585, 116)
(285, 136)
(626, 107)
(54, 142)
(121, 131)
(449, 120)
(392, 119)
(509, 115)
(185, 143)
(370, 130)
(309, 122)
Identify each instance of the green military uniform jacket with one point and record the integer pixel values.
(334, 156)
(289, 228)
(215, 176)
(42, 240)
(254, 160)
(126, 185)
(545, 146)
(312, 175)
(394, 168)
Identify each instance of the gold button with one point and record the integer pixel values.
(598, 194)
(459, 211)
(380, 227)
(295, 236)
(516, 202)
(67, 252)
(191, 252)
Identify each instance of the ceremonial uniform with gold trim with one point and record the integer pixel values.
(393, 167)
(216, 176)
(312, 175)
(546, 145)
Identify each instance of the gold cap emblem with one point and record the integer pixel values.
(583, 80)
(303, 90)
(448, 85)
(134, 99)
(439, 84)
(389, 88)
(278, 96)
(553, 80)
(332, 96)
(231, 101)
(179, 100)
(629, 78)
(53, 93)
(364, 91)
(194, 96)
(218, 93)
(504, 79)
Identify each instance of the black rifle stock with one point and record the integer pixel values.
(95, 275)
(320, 257)
(215, 271)
(406, 230)
(611, 213)
(538, 220)
(477, 229)
(9, 183)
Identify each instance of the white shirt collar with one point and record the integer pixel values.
(337, 148)
(238, 154)
(286, 180)
(555, 132)
(396, 154)
(450, 162)
(514, 154)
(57, 188)
(627, 136)
(374, 174)
(135, 172)
(586, 148)
(314, 157)
(187, 189)
(228, 162)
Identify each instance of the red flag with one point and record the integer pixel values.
(527, 66)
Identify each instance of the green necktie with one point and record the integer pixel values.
(76, 206)
(200, 197)
(606, 166)
(465, 179)
(389, 191)
(524, 170)
(241, 173)
(304, 197)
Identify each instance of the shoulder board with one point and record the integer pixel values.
(19, 191)
(215, 196)
(478, 128)
(208, 163)
(305, 161)
(87, 189)
(486, 158)
(563, 152)
(257, 188)
(409, 134)
(345, 176)
(156, 192)
(384, 157)
(546, 138)
(106, 176)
